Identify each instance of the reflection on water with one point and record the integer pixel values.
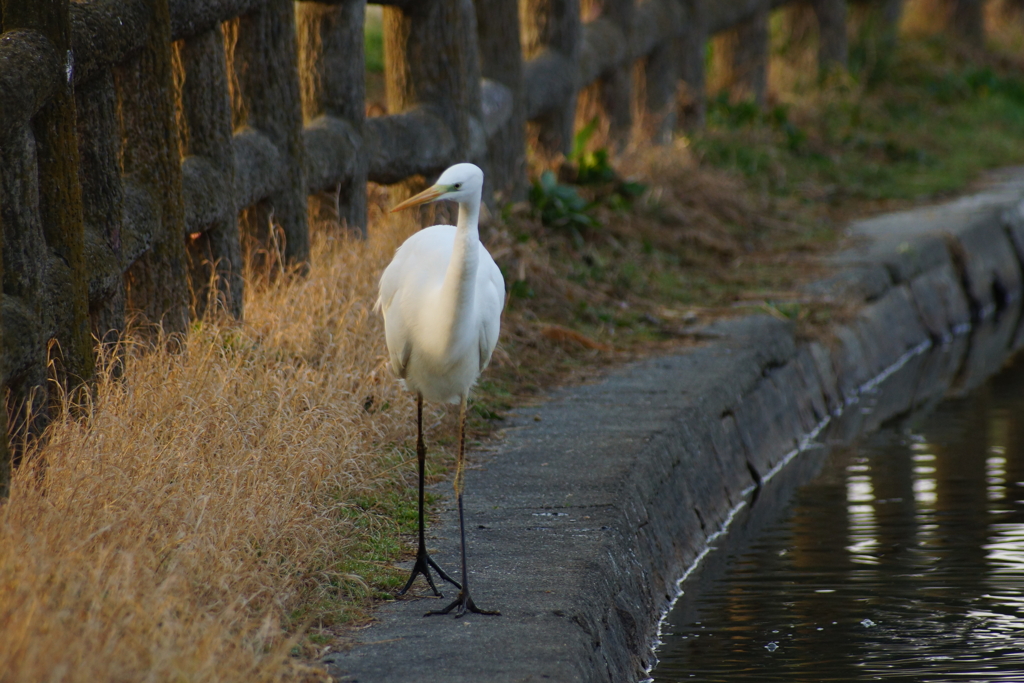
(902, 559)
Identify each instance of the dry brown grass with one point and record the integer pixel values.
(172, 531)
(696, 238)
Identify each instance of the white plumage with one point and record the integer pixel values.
(437, 346)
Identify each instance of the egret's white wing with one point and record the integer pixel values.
(424, 256)
(490, 302)
(419, 266)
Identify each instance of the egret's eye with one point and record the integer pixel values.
(457, 186)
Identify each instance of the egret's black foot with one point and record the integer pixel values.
(461, 605)
(423, 564)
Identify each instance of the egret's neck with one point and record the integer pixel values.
(469, 218)
(460, 280)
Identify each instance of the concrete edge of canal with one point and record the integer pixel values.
(593, 504)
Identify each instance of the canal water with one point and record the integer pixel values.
(899, 557)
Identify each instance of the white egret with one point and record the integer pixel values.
(441, 297)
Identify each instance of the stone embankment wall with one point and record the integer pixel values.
(603, 497)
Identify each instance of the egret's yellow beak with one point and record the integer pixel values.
(428, 195)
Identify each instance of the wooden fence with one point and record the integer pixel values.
(137, 136)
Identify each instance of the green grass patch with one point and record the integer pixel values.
(921, 128)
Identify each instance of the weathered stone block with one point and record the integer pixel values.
(774, 338)
(1014, 222)
(766, 425)
(941, 365)
(888, 328)
(789, 382)
(856, 283)
(909, 243)
(990, 267)
(940, 301)
(826, 373)
(708, 492)
(895, 395)
(891, 245)
(811, 393)
(731, 455)
(849, 362)
(990, 344)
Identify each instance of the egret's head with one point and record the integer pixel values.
(460, 183)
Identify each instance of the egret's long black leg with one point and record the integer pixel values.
(423, 560)
(464, 603)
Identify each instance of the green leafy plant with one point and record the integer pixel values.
(595, 168)
(560, 206)
(592, 167)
